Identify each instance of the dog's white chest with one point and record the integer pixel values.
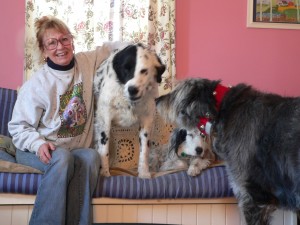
(127, 114)
(124, 115)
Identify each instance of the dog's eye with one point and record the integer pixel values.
(191, 135)
(183, 112)
(144, 71)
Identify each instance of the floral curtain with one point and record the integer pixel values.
(92, 22)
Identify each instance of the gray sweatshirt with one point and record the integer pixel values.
(58, 106)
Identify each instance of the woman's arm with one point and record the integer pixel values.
(25, 120)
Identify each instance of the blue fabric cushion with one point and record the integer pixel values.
(211, 183)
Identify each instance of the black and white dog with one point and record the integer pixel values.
(125, 86)
(186, 150)
(257, 134)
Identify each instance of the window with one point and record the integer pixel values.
(94, 21)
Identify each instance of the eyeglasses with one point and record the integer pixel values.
(52, 43)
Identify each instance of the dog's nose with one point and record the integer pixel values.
(199, 150)
(132, 90)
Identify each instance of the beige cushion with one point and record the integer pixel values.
(7, 145)
(11, 167)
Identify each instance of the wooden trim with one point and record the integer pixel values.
(115, 201)
(21, 199)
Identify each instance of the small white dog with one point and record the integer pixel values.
(186, 149)
(125, 88)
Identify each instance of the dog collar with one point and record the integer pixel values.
(204, 124)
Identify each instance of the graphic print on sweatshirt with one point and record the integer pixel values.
(72, 113)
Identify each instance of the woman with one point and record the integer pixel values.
(52, 126)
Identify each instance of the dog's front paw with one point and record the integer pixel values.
(193, 170)
(145, 174)
(203, 164)
(104, 172)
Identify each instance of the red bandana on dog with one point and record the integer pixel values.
(204, 124)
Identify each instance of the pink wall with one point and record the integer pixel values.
(211, 42)
(12, 20)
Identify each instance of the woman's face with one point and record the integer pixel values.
(58, 47)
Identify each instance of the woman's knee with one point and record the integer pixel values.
(93, 155)
(88, 157)
(62, 157)
(86, 154)
(61, 166)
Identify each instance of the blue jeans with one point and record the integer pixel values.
(6, 156)
(67, 186)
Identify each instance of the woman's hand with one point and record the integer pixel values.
(44, 152)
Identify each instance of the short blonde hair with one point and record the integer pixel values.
(48, 22)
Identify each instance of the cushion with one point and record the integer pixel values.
(10, 167)
(124, 143)
(212, 183)
(7, 145)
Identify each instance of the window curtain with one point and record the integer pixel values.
(151, 22)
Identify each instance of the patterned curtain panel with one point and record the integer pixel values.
(94, 21)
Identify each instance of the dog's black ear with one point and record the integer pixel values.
(177, 138)
(160, 70)
(173, 144)
(124, 63)
(182, 135)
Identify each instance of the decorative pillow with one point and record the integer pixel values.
(7, 145)
(10, 167)
(124, 144)
(123, 147)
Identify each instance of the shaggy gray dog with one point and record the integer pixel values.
(256, 134)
